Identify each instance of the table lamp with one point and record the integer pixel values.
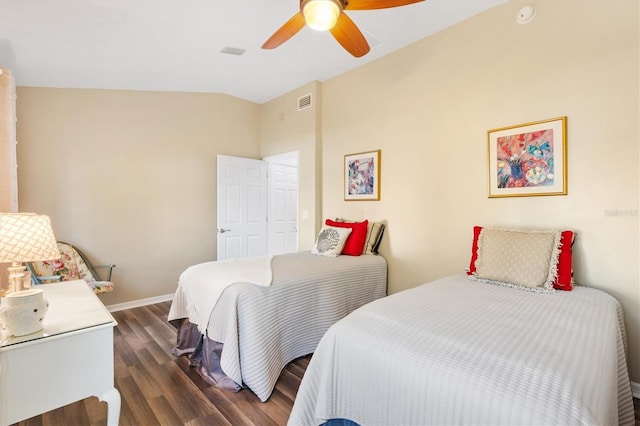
(25, 237)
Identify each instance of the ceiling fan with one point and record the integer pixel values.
(323, 15)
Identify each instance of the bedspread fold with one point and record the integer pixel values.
(200, 286)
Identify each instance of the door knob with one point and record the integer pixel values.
(222, 231)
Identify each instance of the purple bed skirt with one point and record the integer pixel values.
(203, 354)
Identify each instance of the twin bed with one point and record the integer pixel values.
(504, 345)
(254, 331)
(457, 351)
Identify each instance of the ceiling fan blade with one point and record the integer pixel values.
(285, 32)
(376, 4)
(350, 37)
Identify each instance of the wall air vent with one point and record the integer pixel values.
(304, 102)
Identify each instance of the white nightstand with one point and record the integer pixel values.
(71, 359)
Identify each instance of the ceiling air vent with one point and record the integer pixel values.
(304, 102)
(233, 51)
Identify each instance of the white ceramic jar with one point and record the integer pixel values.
(22, 312)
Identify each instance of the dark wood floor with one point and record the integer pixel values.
(160, 389)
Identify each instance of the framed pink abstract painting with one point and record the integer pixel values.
(362, 176)
(528, 159)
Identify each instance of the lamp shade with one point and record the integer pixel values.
(26, 237)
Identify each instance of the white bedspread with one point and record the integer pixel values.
(456, 351)
(200, 286)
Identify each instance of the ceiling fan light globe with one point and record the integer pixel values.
(321, 15)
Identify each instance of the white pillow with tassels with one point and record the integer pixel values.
(518, 258)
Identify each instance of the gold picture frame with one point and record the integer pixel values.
(362, 176)
(528, 159)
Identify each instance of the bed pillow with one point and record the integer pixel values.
(518, 258)
(564, 277)
(354, 246)
(375, 230)
(474, 250)
(564, 281)
(330, 241)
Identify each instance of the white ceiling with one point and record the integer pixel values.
(174, 45)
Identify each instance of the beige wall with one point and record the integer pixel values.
(130, 177)
(284, 129)
(428, 108)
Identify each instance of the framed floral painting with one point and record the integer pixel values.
(528, 159)
(362, 176)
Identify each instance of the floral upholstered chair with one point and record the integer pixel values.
(72, 265)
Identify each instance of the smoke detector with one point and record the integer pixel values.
(526, 15)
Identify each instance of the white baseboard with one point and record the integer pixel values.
(139, 303)
(635, 389)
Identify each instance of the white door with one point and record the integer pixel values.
(283, 209)
(242, 207)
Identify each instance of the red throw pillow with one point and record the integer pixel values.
(355, 242)
(474, 250)
(565, 267)
(565, 259)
